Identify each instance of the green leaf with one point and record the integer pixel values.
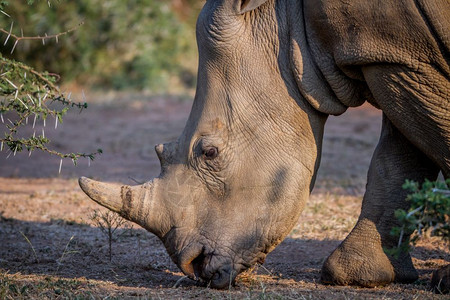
(430, 210)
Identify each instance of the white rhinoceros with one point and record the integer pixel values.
(270, 72)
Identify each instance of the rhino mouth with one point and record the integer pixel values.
(212, 268)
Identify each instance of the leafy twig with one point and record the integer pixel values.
(27, 95)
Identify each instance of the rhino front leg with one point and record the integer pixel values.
(360, 258)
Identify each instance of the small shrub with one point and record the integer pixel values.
(429, 212)
(109, 222)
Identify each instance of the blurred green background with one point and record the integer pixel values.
(124, 45)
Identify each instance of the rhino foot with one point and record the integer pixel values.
(360, 260)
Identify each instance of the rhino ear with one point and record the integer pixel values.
(248, 5)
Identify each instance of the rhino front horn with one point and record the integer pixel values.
(105, 194)
(128, 201)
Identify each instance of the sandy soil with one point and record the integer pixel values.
(51, 245)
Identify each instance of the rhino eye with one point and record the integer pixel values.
(210, 153)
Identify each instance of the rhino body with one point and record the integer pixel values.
(270, 72)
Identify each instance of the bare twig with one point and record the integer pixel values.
(41, 38)
(444, 192)
(177, 284)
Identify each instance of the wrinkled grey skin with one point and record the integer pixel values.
(270, 72)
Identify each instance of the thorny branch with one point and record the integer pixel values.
(26, 92)
(42, 38)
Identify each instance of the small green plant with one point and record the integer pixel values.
(429, 213)
(109, 222)
(11, 289)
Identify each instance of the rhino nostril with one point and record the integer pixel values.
(188, 261)
(197, 265)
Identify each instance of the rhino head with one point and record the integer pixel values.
(234, 183)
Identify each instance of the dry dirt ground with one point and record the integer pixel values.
(51, 245)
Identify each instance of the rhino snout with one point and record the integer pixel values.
(209, 268)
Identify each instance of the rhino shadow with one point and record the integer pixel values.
(72, 250)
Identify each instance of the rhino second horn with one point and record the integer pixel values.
(159, 151)
(166, 153)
